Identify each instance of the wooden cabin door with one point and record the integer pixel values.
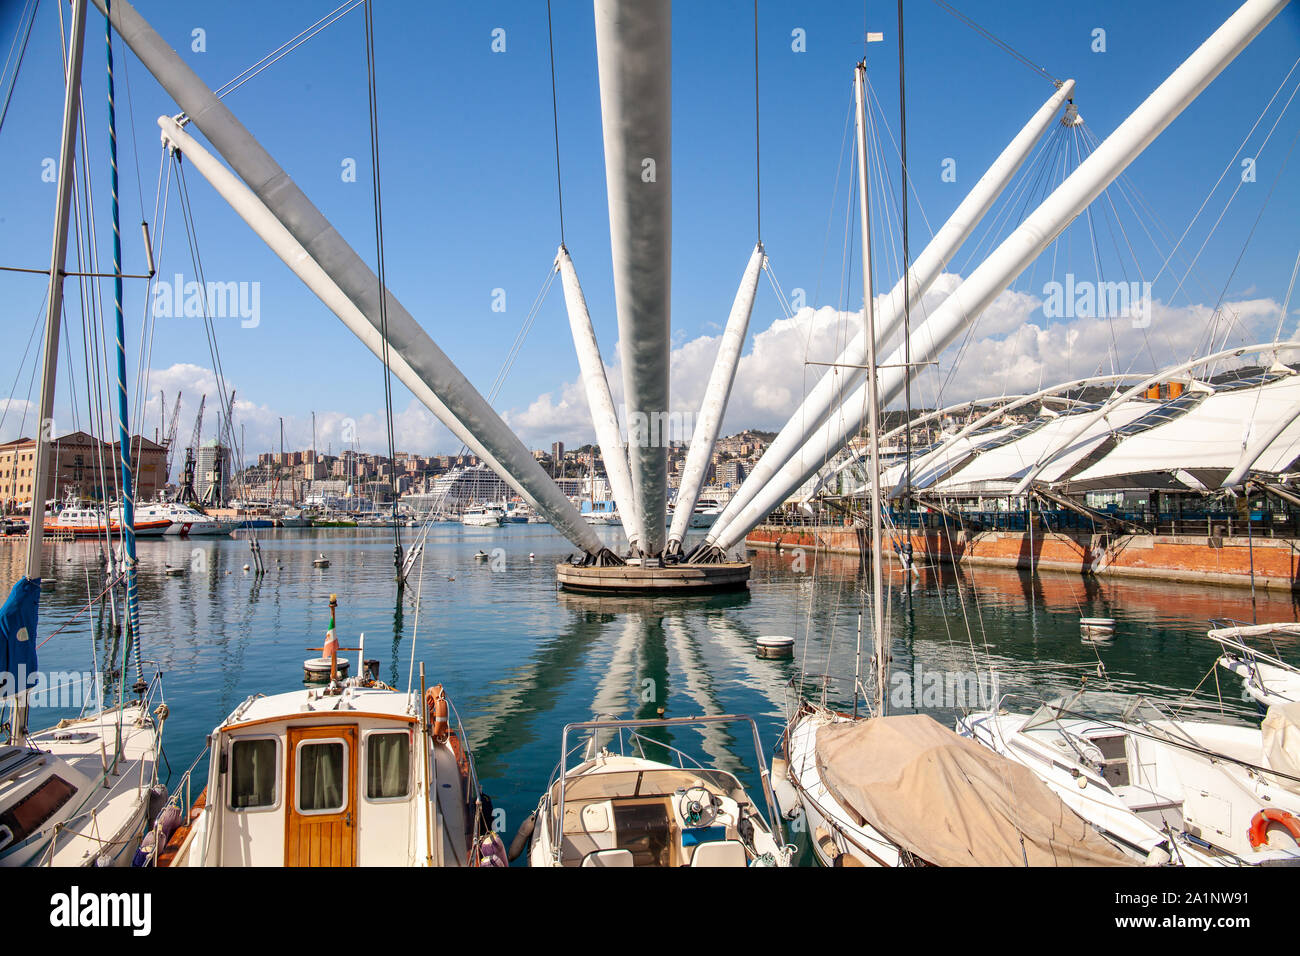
(321, 809)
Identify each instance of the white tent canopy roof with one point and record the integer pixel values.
(1211, 435)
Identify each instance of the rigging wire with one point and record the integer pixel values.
(555, 120)
(383, 284)
(288, 47)
(22, 52)
(998, 42)
(758, 169)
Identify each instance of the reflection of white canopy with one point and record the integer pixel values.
(1211, 435)
(998, 469)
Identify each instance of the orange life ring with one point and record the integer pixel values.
(1259, 826)
(435, 700)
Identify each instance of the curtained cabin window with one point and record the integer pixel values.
(388, 765)
(322, 776)
(254, 769)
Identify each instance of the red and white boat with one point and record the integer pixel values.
(81, 521)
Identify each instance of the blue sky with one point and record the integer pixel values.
(469, 178)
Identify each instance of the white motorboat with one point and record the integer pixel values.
(355, 773)
(1266, 677)
(615, 809)
(1160, 788)
(482, 516)
(184, 519)
(603, 519)
(295, 519)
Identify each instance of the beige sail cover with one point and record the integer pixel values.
(1281, 739)
(951, 801)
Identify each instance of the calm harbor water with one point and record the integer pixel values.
(520, 660)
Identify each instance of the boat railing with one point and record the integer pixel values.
(633, 726)
(182, 799)
(468, 750)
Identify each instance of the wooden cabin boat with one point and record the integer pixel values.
(355, 773)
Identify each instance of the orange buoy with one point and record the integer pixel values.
(435, 700)
(1259, 826)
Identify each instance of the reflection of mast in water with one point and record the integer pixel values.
(613, 690)
(765, 677)
(500, 722)
(396, 652)
(698, 686)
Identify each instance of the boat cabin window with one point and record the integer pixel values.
(28, 815)
(322, 776)
(254, 765)
(388, 765)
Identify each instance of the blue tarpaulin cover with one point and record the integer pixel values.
(18, 634)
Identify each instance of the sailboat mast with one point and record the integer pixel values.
(873, 398)
(123, 419)
(45, 420)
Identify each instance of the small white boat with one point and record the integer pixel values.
(72, 796)
(1162, 789)
(1267, 678)
(321, 562)
(613, 809)
(482, 516)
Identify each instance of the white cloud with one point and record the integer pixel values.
(1011, 349)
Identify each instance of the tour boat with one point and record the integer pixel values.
(615, 809)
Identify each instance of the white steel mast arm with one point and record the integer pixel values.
(346, 269)
(928, 266)
(1019, 249)
(603, 415)
(716, 394)
(634, 47)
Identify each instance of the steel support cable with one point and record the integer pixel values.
(148, 325)
(998, 42)
(555, 120)
(22, 52)
(1029, 194)
(1218, 307)
(1232, 197)
(287, 47)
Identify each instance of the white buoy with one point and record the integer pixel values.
(775, 647)
(1096, 630)
(316, 670)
